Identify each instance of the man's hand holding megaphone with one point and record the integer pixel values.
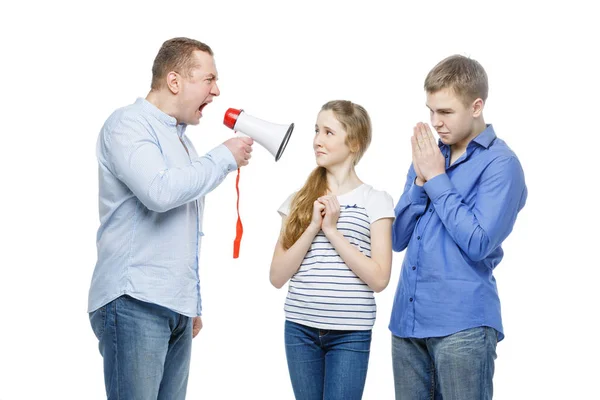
(240, 147)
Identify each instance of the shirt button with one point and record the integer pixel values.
(446, 155)
(430, 210)
(413, 268)
(411, 299)
(418, 237)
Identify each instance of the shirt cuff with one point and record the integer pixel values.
(438, 185)
(224, 158)
(417, 194)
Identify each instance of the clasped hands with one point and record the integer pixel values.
(428, 161)
(326, 211)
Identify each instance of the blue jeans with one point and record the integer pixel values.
(327, 364)
(146, 350)
(454, 367)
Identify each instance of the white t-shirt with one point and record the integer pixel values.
(324, 293)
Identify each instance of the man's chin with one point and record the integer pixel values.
(195, 120)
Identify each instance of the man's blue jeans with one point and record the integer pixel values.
(327, 364)
(454, 367)
(146, 350)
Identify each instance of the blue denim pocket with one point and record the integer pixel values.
(98, 321)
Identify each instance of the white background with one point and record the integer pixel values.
(65, 67)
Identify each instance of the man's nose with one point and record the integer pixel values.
(215, 92)
(436, 121)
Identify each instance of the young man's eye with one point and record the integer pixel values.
(329, 133)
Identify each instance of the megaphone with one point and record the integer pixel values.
(273, 137)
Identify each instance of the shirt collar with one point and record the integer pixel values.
(486, 137)
(160, 115)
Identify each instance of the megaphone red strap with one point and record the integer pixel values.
(239, 229)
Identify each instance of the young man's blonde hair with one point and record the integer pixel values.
(176, 55)
(465, 76)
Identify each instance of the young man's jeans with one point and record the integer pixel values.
(146, 349)
(327, 364)
(455, 367)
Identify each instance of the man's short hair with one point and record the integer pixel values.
(465, 76)
(175, 55)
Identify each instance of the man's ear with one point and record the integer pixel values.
(477, 107)
(173, 82)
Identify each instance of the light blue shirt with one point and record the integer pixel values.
(151, 199)
(454, 226)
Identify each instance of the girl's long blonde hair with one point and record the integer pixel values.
(355, 120)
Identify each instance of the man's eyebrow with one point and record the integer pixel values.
(440, 109)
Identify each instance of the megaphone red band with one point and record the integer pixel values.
(239, 229)
(231, 116)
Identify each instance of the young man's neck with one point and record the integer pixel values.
(460, 147)
(163, 101)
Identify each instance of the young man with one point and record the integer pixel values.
(460, 202)
(144, 300)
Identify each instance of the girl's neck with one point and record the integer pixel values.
(342, 181)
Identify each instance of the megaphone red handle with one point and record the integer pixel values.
(239, 229)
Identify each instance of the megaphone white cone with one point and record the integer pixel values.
(273, 137)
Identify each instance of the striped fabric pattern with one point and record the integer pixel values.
(324, 293)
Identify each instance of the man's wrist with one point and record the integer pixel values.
(435, 174)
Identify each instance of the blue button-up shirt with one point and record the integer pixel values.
(151, 199)
(454, 226)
